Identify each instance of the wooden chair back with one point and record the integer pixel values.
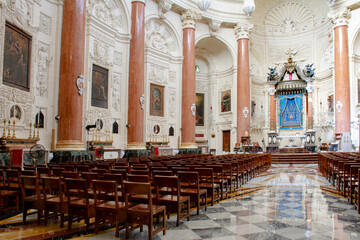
(138, 178)
(137, 188)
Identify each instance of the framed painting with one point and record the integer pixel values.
(99, 88)
(225, 101)
(17, 52)
(199, 102)
(156, 100)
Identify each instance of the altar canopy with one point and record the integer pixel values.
(291, 111)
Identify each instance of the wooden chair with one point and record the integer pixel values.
(100, 171)
(6, 194)
(79, 203)
(28, 172)
(13, 179)
(54, 198)
(192, 189)
(31, 198)
(70, 174)
(206, 177)
(83, 168)
(69, 168)
(57, 171)
(173, 201)
(107, 209)
(43, 172)
(142, 214)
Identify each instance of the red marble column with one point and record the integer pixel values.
(242, 31)
(135, 134)
(309, 115)
(272, 108)
(188, 81)
(341, 60)
(70, 107)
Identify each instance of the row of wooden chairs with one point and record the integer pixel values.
(343, 171)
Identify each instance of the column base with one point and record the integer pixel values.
(70, 145)
(136, 146)
(188, 146)
(190, 151)
(136, 153)
(61, 156)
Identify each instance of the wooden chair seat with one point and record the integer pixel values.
(31, 196)
(144, 208)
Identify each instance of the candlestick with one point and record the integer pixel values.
(13, 136)
(38, 132)
(9, 135)
(34, 135)
(4, 133)
(30, 131)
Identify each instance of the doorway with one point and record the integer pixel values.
(226, 141)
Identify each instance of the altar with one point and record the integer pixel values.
(291, 141)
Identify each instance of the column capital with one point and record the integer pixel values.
(243, 29)
(189, 18)
(143, 1)
(340, 18)
(271, 91)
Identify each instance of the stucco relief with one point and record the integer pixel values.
(116, 92)
(101, 52)
(158, 75)
(290, 16)
(45, 24)
(2, 106)
(204, 53)
(21, 10)
(107, 11)
(327, 60)
(23, 99)
(201, 86)
(43, 68)
(172, 76)
(93, 114)
(151, 122)
(117, 58)
(159, 36)
(171, 110)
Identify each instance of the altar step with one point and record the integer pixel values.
(297, 158)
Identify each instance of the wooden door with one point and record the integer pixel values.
(226, 141)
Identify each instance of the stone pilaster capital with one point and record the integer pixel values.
(164, 7)
(189, 18)
(143, 1)
(242, 30)
(340, 18)
(272, 91)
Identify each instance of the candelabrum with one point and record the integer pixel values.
(9, 135)
(13, 136)
(4, 132)
(34, 132)
(38, 132)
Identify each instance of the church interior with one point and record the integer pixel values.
(179, 119)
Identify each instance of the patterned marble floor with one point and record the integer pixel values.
(287, 202)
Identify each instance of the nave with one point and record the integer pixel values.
(285, 202)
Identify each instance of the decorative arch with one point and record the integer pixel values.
(231, 49)
(161, 36)
(111, 13)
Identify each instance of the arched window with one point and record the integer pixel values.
(39, 120)
(197, 68)
(115, 128)
(171, 131)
